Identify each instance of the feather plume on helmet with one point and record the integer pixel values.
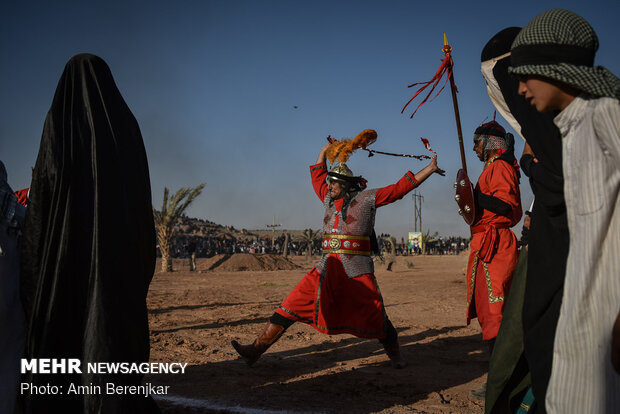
(341, 150)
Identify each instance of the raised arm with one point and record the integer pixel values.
(318, 173)
(322, 157)
(408, 182)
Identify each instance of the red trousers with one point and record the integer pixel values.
(333, 303)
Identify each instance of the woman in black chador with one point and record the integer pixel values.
(88, 252)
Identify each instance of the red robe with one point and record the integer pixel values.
(494, 249)
(331, 301)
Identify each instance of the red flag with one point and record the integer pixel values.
(427, 145)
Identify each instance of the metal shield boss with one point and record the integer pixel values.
(465, 197)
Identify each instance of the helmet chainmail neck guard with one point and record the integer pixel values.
(493, 135)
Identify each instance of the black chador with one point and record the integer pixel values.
(548, 235)
(89, 243)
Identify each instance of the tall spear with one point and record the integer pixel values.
(464, 189)
(447, 49)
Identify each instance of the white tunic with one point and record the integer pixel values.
(582, 377)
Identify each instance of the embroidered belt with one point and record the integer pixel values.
(346, 244)
(490, 239)
(484, 227)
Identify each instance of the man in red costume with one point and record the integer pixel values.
(340, 294)
(494, 247)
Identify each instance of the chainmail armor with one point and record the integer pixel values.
(491, 142)
(359, 221)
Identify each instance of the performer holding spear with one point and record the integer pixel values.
(491, 208)
(340, 294)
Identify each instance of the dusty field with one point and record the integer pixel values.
(194, 316)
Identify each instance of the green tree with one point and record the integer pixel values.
(171, 210)
(308, 237)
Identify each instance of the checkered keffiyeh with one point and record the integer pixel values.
(560, 45)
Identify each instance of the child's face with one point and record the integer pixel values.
(544, 95)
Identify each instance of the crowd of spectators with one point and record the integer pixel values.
(446, 245)
(434, 245)
(184, 246)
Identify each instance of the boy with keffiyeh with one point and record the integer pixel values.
(553, 59)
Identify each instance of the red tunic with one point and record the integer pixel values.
(494, 249)
(331, 301)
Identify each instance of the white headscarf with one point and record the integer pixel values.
(495, 94)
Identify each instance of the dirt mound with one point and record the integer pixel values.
(248, 262)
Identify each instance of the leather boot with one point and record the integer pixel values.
(393, 352)
(250, 353)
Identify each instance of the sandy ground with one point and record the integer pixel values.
(194, 316)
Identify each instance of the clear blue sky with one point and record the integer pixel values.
(213, 85)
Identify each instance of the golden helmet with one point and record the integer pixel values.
(340, 173)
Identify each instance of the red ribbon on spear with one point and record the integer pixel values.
(464, 189)
(444, 69)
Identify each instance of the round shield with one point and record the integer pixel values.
(465, 197)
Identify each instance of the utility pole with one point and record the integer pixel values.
(418, 199)
(273, 231)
